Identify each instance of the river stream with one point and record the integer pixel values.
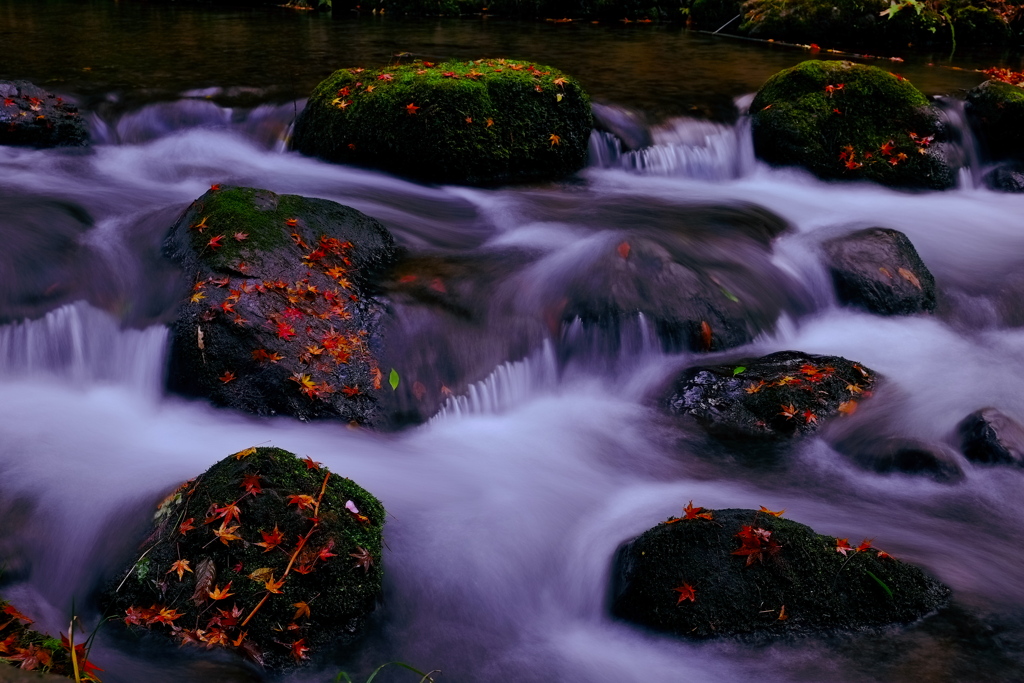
(506, 507)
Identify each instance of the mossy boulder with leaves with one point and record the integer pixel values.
(845, 121)
(264, 554)
(778, 396)
(996, 113)
(31, 651)
(715, 573)
(280, 315)
(481, 122)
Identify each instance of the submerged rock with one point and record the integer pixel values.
(628, 125)
(281, 317)
(482, 122)
(739, 572)
(879, 270)
(995, 111)
(1008, 177)
(777, 396)
(892, 455)
(846, 121)
(33, 117)
(991, 437)
(263, 554)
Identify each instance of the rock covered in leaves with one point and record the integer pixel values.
(991, 437)
(280, 317)
(481, 122)
(30, 650)
(33, 117)
(995, 111)
(780, 395)
(263, 554)
(848, 121)
(878, 269)
(732, 572)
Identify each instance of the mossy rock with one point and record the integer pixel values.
(35, 653)
(845, 121)
(481, 122)
(778, 396)
(331, 580)
(996, 113)
(826, 22)
(280, 317)
(754, 573)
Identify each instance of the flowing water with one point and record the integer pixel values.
(506, 507)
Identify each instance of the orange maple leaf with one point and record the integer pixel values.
(181, 566)
(302, 610)
(274, 586)
(773, 513)
(302, 501)
(226, 535)
(220, 593)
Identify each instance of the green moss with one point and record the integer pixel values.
(338, 592)
(474, 122)
(24, 647)
(996, 112)
(822, 589)
(823, 21)
(848, 121)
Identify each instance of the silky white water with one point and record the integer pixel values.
(506, 508)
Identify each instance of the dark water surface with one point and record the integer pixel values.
(142, 52)
(507, 507)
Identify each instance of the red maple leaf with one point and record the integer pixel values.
(691, 512)
(216, 242)
(271, 539)
(686, 592)
(251, 484)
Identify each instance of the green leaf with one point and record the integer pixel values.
(729, 295)
(738, 369)
(393, 379)
(880, 583)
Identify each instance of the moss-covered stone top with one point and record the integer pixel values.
(728, 572)
(996, 112)
(478, 121)
(849, 121)
(264, 553)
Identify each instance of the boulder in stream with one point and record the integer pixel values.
(33, 117)
(879, 270)
(281, 317)
(989, 436)
(732, 572)
(781, 395)
(480, 122)
(263, 554)
(846, 121)
(995, 111)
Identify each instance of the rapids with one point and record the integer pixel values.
(507, 506)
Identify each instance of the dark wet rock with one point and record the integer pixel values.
(450, 324)
(995, 111)
(240, 526)
(482, 122)
(781, 395)
(281, 317)
(627, 125)
(702, 277)
(879, 270)
(33, 117)
(1005, 178)
(846, 121)
(991, 437)
(783, 564)
(893, 455)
